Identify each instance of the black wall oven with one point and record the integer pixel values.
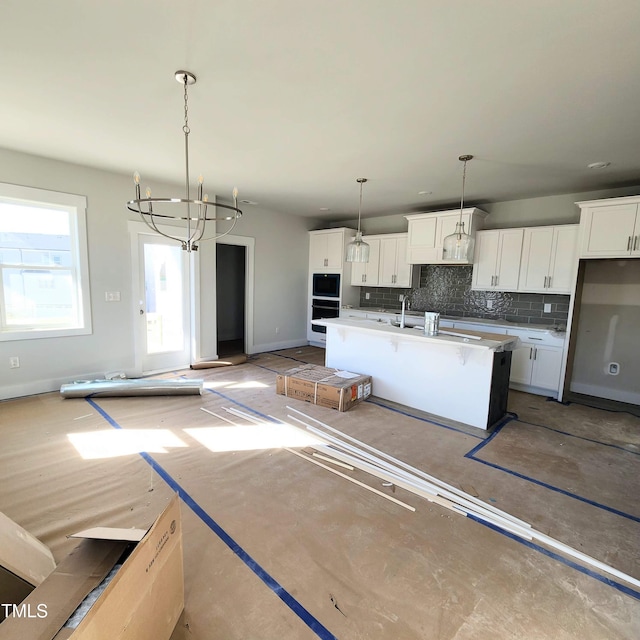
(326, 285)
(323, 309)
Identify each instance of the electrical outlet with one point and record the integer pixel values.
(547, 308)
(277, 330)
(489, 304)
(14, 362)
(367, 296)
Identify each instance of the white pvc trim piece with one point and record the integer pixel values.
(346, 477)
(461, 502)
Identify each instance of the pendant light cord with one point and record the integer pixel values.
(464, 159)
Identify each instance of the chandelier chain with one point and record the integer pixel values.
(185, 127)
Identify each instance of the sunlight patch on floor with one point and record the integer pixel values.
(123, 442)
(251, 437)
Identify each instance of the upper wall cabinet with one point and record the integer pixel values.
(610, 228)
(327, 248)
(395, 271)
(549, 259)
(427, 232)
(497, 259)
(365, 274)
(387, 266)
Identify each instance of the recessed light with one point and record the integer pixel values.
(325, 209)
(598, 165)
(248, 202)
(425, 193)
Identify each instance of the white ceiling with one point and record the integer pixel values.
(296, 99)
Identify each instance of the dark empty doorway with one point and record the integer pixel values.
(230, 298)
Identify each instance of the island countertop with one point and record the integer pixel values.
(472, 339)
(427, 372)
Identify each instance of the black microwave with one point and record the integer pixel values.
(326, 284)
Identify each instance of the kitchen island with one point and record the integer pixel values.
(462, 379)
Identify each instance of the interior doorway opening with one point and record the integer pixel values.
(231, 262)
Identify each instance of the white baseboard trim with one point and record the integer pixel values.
(604, 392)
(275, 346)
(43, 386)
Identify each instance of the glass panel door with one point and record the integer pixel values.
(164, 304)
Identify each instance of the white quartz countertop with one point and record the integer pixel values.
(487, 341)
(480, 321)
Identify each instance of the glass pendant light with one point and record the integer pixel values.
(358, 249)
(458, 247)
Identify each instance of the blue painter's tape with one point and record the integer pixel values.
(593, 503)
(313, 623)
(573, 435)
(551, 554)
(471, 455)
(415, 417)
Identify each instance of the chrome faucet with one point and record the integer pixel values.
(404, 304)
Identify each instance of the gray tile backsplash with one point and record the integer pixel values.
(447, 290)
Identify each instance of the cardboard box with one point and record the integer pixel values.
(24, 563)
(325, 387)
(143, 599)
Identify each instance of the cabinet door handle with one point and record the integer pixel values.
(497, 280)
(530, 352)
(549, 283)
(629, 244)
(535, 353)
(544, 286)
(635, 242)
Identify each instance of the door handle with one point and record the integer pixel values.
(549, 283)
(530, 352)
(535, 353)
(497, 280)
(141, 312)
(544, 286)
(629, 244)
(635, 242)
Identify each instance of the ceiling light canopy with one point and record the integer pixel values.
(190, 214)
(458, 247)
(358, 249)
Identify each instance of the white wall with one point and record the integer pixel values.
(281, 262)
(530, 212)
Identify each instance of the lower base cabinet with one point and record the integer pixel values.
(537, 366)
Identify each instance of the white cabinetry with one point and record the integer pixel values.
(427, 232)
(610, 228)
(497, 259)
(327, 253)
(327, 248)
(549, 259)
(387, 266)
(365, 274)
(537, 362)
(395, 271)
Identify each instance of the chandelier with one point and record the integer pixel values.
(191, 214)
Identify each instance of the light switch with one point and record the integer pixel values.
(112, 296)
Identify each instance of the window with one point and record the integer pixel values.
(44, 276)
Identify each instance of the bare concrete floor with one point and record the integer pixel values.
(277, 548)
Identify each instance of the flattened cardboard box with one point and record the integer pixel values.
(325, 387)
(24, 563)
(144, 599)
